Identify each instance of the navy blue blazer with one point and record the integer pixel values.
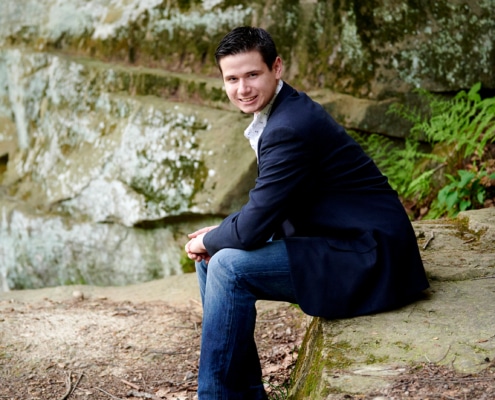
(351, 246)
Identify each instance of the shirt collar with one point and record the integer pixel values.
(260, 119)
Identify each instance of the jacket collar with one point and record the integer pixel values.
(285, 92)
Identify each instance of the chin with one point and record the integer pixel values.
(247, 110)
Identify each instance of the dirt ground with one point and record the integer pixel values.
(98, 348)
(93, 347)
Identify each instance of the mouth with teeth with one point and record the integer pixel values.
(247, 100)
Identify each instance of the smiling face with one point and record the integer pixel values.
(249, 83)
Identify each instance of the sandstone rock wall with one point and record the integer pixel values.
(366, 49)
(112, 113)
(90, 153)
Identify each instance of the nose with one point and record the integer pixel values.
(243, 86)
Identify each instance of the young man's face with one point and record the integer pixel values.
(249, 83)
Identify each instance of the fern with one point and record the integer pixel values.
(466, 121)
(459, 130)
(465, 191)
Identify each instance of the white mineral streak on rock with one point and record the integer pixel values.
(210, 20)
(209, 4)
(52, 19)
(39, 250)
(105, 200)
(16, 97)
(116, 14)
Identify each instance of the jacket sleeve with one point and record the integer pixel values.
(284, 166)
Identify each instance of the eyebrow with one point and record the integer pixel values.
(257, 71)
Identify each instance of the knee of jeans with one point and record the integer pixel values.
(223, 260)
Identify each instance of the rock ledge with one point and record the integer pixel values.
(451, 326)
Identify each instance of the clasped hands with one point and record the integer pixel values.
(195, 248)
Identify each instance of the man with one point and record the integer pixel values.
(322, 227)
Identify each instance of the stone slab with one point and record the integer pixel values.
(453, 325)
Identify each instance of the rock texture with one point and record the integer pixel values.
(451, 326)
(84, 154)
(366, 49)
(113, 121)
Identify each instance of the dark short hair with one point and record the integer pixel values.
(244, 39)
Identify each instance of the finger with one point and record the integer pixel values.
(202, 230)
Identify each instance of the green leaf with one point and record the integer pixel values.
(473, 92)
(466, 178)
(480, 196)
(464, 205)
(451, 200)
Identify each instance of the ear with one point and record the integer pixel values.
(278, 67)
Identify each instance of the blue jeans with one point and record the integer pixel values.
(230, 284)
